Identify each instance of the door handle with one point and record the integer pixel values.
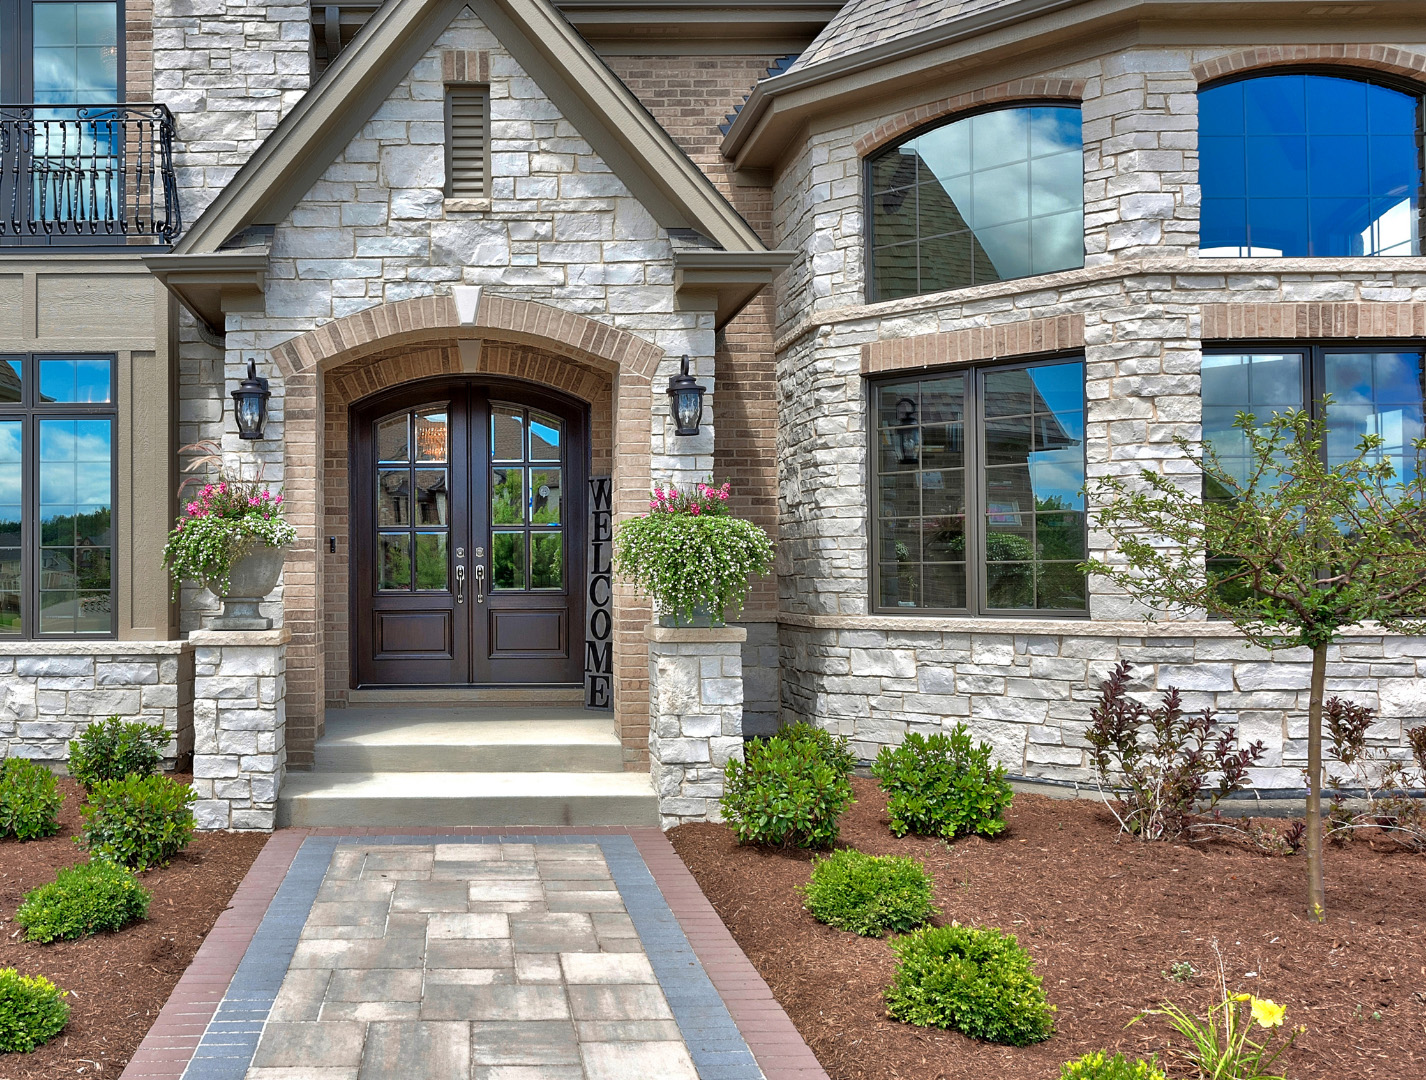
(460, 584)
(480, 583)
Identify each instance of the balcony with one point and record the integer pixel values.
(92, 176)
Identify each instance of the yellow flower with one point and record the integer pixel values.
(1267, 1013)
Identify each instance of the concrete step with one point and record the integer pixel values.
(469, 740)
(418, 799)
(468, 696)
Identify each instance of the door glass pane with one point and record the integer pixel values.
(392, 439)
(76, 52)
(75, 381)
(75, 480)
(545, 496)
(433, 497)
(393, 497)
(507, 434)
(507, 496)
(546, 561)
(507, 560)
(545, 437)
(431, 563)
(10, 548)
(10, 381)
(431, 435)
(394, 558)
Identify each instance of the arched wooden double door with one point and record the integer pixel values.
(468, 544)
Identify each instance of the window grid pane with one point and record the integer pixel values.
(526, 500)
(75, 486)
(413, 500)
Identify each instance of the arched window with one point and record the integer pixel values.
(993, 196)
(1309, 165)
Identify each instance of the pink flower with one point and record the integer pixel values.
(694, 509)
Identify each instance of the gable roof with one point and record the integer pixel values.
(615, 123)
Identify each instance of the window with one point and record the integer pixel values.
(1309, 165)
(978, 477)
(467, 166)
(994, 196)
(60, 52)
(56, 496)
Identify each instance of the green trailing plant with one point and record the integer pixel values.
(1157, 762)
(784, 793)
(113, 749)
(979, 982)
(1292, 549)
(226, 519)
(29, 800)
(869, 894)
(1389, 781)
(84, 899)
(139, 821)
(32, 1011)
(1096, 1065)
(690, 555)
(945, 785)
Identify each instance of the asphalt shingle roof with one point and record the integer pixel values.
(862, 24)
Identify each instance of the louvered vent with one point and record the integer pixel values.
(467, 166)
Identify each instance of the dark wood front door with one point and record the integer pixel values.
(468, 544)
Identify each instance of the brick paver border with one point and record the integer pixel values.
(168, 1048)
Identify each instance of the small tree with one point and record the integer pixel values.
(1297, 551)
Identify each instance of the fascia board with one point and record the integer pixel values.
(732, 278)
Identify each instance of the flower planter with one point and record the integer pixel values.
(250, 580)
(700, 618)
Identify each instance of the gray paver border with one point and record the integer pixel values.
(228, 1044)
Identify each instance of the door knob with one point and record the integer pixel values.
(460, 584)
(480, 583)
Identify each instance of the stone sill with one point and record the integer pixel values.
(951, 624)
(253, 639)
(107, 647)
(466, 206)
(696, 635)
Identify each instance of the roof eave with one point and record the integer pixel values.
(211, 284)
(729, 279)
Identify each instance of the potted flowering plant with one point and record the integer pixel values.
(691, 556)
(231, 539)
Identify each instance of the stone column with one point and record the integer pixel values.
(239, 726)
(696, 717)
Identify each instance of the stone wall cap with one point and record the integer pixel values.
(696, 635)
(245, 638)
(92, 648)
(1070, 627)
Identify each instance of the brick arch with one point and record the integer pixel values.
(1385, 58)
(893, 128)
(523, 338)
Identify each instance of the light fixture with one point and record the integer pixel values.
(908, 435)
(250, 404)
(685, 401)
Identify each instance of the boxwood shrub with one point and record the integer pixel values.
(32, 1011)
(869, 894)
(29, 800)
(943, 786)
(979, 982)
(789, 790)
(82, 900)
(113, 749)
(1097, 1066)
(139, 821)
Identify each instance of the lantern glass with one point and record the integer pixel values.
(909, 445)
(250, 410)
(688, 410)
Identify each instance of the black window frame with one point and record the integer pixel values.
(1384, 79)
(973, 436)
(30, 412)
(17, 77)
(869, 163)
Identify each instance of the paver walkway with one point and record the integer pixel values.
(482, 958)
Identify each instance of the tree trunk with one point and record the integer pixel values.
(1316, 893)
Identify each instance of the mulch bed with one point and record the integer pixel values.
(118, 982)
(1104, 918)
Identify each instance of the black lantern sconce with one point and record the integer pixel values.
(250, 404)
(685, 401)
(908, 435)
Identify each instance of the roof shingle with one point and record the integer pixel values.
(862, 24)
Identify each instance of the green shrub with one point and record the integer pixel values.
(785, 793)
(113, 749)
(979, 982)
(943, 786)
(32, 1011)
(29, 800)
(83, 900)
(830, 748)
(139, 821)
(869, 894)
(1095, 1066)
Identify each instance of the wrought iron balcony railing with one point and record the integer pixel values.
(96, 174)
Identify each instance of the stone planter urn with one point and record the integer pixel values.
(250, 580)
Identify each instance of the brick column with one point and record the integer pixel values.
(695, 717)
(239, 726)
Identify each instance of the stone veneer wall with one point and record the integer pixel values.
(51, 691)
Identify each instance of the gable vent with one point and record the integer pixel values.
(467, 141)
